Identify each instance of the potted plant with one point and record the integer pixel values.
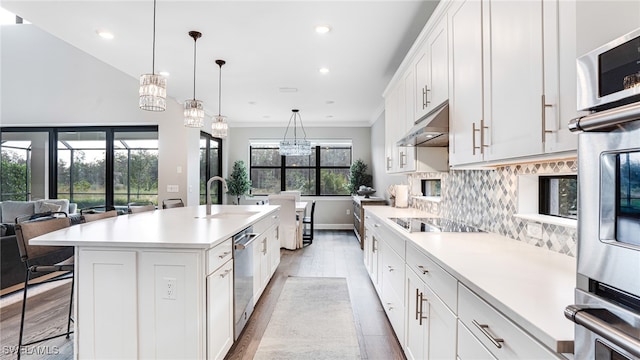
(238, 182)
(358, 177)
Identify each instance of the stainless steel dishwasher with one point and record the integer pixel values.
(243, 278)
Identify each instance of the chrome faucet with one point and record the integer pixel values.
(208, 190)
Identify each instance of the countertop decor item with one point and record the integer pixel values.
(194, 109)
(219, 128)
(238, 182)
(359, 178)
(153, 87)
(366, 191)
(295, 146)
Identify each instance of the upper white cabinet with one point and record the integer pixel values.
(519, 111)
(432, 71)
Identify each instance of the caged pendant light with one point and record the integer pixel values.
(153, 87)
(194, 109)
(295, 146)
(219, 128)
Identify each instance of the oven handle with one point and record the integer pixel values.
(582, 315)
(239, 245)
(606, 118)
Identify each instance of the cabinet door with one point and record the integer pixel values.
(442, 327)
(391, 119)
(421, 71)
(438, 74)
(220, 312)
(274, 249)
(469, 347)
(514, 101)
(416, 344)
(466, 79)
(407, 154)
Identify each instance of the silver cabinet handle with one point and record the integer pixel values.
(225, 273)
(390, 268)
(275, 216)
(544, 119)
(422, 301)
(483, 328)
(376, 225)
(482, 129)
(417, 302)
(374, 244)
(388, 162)
(224, 254)
(473, 138)
(426, 91)
(422, 268)
(389, 306)
(402, 155)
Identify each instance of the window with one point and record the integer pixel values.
(559, 196)
(324, 172)
(87, 165)
(431, 187)
(210, 165)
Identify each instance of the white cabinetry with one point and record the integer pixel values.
(392, 283)
(220, 311)
(432, 71)
(264, 260)
(505, 82)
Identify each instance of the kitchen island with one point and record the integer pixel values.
(159, 284)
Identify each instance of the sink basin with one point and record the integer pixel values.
(229, 215)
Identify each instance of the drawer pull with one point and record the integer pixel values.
(224, 254)
(390, 268)
(225, 273)
(483, 328)
(418, 295)
(424, 271)
(389, 306)
(376, 225)
(422, 301)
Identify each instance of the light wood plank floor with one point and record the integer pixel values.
(332, 254)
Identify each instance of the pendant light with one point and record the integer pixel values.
(295, 146)
(153, 87)
(194, 109)
(219, 128)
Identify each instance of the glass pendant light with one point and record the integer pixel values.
(153, 87)
(194, 109)
(295, 146)
(219, 128)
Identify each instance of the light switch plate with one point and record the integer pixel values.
(173, 188)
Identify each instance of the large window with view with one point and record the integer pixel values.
(324, 172)
(210, 165)
(23, 166)
(135, 167)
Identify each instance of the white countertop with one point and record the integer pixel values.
(530, 285)
(186, 227)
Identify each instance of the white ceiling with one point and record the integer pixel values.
(268, 45)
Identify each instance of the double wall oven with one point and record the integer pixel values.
(607, 308)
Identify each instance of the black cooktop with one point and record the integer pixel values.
(433, 225)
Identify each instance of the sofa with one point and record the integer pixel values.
(12, 270)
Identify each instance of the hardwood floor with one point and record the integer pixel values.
(332, 254)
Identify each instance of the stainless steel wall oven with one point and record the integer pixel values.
(607, 309)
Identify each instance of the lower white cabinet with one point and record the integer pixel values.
(469, 347)
(264, 259)
(220, 311)
(431, 326)
(392, 287)
(503, 338)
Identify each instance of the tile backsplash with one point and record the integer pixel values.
(488, 199)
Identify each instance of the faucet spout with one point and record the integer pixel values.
(208, 190)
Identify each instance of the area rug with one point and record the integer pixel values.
(312, 320)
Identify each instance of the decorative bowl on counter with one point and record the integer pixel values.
(366, 192)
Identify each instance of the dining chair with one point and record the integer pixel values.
(43, 259)
(295, 193)
(89, 217)
(288, 224)
(172, 203)
(307, 237)
(138, 207)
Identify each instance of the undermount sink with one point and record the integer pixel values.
(229, 215)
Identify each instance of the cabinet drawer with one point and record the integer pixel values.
(263, 224)
(392, 269)
(470, 348)
(442, 283)
(219, 255)
(393, 305)
(395, 241)
(503, 338)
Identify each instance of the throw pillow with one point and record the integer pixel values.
(49, 207)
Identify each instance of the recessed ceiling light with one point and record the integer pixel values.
(252, 102)
(324, 70)
(266, 117)
(323, 29)
(329, 116)
(164, 73)
(105, 34)
(329, 102)
(288, 89)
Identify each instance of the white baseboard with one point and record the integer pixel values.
(333, 226)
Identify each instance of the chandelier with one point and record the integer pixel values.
(295, 146)
(219, 127)
(193, 109)
(153, 87)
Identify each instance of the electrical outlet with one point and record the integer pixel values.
(169, 289)
(173, 188)
(348, 212)
(534, 230)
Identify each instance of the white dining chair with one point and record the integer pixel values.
(288, 223)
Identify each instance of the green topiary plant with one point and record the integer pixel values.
(238, 182)
(358, 176)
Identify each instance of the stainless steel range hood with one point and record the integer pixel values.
(431, 130)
